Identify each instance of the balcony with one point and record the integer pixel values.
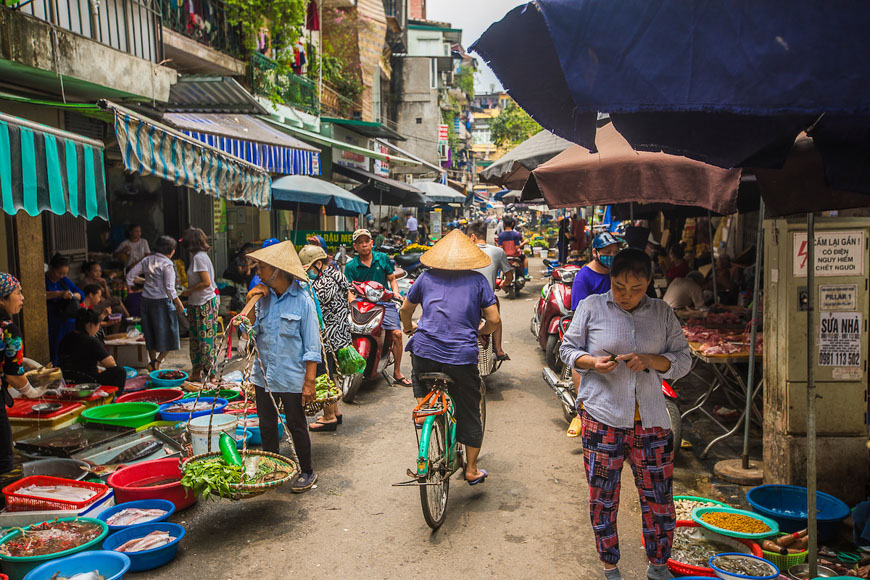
(201, 40)
(130, 26)
(294, 90)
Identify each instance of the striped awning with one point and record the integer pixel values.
(251, 139)
(149, 147)
(46, 169)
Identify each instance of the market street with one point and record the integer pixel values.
(529, 518)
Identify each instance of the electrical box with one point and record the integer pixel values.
(842, 254)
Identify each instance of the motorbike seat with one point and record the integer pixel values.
(434, 378)
(408, 259)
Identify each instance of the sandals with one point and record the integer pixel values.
(152, 366)
(480, 479)
(317, 426)
(503, 357)
(576, 426)
(339, 417)
(404, 382)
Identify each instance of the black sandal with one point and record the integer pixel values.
(151, 367)
(322, 426)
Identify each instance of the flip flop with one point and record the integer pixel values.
(339, 417)
(325, 427)
(403, 381)
(503, 357)
(480, 479)
(576, 427)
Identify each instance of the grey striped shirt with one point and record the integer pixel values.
(652, 328)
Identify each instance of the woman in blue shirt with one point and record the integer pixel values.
(58, 291)
(288, 340)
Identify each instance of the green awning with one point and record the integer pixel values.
(367, 128)
(46, 169)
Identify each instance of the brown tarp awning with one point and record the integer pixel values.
(619, 174)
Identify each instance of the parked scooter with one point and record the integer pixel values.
(370, 340)
(554, 304)
(563, 386)
(410, 263)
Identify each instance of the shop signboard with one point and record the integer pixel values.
(837, 253)
(840, 339)
(435, 224)
(333, 239)
(350, 158)
(382, 168)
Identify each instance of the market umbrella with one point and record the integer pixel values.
(616, 173)
(729, 83)
(512, 169)
(296, 191)
(439, 193)
(382, 190)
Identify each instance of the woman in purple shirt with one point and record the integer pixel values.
(454, 299)
(595, 277)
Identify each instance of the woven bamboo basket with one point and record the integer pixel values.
(283, 471)
(317, 405)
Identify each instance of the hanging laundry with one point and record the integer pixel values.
(312, 21)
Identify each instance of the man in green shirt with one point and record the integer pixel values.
(370, 266)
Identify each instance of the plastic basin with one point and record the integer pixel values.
(111, 565)
(17, 568)
(787, 506)
(147, 559)
(717, 560)
(162, 504)
(680, 569)
(130, 372)
(55, 467)
(122, 414)
(240, 441)
(698, 516)
(168, 416)
(156, 381)
(158, 396)
(228, 394)
(127, 483)
(256, 437)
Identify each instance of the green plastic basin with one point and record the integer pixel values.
(122, 414)
(228, 394)
(17, 568)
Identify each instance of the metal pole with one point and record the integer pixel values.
(811, 396)
(750, 380)
(713, 260)
(631, 212)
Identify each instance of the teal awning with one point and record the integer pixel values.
(439, 193)
(297, 191)
(46, 169)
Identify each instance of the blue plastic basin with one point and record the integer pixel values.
(156, 381)
(166, 416)
(144, 504)
(787, 505)
(147, 559)
(112, 565)
(256, 438)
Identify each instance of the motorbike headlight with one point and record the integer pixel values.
(374, 294)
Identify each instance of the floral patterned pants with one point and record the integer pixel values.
(650, 453)
(203, 328)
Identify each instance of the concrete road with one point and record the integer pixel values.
(529, 518)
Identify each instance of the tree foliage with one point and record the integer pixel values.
(465, 81)
(284, 18)
(512, 126)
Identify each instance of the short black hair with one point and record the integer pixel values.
(165, 245)
(88, 266)
(679, 251)
(84, 317)
(478, 228)
(58, 261)
(91, 289)
(631, 261)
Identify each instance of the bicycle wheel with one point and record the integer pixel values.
(433, 496)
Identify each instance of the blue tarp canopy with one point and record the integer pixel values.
(729, 83)
(301, 192)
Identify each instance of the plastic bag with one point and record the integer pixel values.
(350, 362)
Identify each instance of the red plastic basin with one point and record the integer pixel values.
(158, 396)
(127, 483)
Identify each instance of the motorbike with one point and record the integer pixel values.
(410, 263)
(519, 280)
(563, 385)
(553, 305)
(370, 340)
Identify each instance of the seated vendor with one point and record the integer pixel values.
(81, 352)
(686, 292)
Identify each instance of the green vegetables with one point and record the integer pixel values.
(325, 388)
(350, 362)
(212, 477)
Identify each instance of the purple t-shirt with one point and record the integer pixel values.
(588, 282)
(452, 309)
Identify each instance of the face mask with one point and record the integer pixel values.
(606, 261)
(312, 275)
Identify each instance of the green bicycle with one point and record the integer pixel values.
(440, 455)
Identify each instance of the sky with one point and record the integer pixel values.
(473, 17)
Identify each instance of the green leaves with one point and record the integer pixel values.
(212, 477)
(512, 126)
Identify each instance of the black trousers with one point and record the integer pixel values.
(113, 377)
(6, 456)
(296, 422)
(465, 392)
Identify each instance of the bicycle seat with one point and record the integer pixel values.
(434, 377)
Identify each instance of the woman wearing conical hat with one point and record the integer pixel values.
(288, 338)
(454, 298)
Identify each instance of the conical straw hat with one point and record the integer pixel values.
(282, 256)
(455, 252)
